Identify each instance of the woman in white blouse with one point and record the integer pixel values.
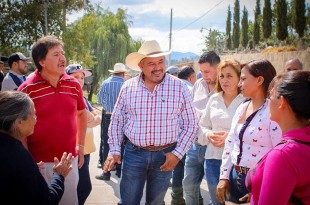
(216, 120)
(252, 133)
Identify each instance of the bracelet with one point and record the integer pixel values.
(81, 145)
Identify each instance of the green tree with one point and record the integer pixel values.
(245, 28)
(281, 19)
(267, 19)
(23, 22)
(236, 25)
(256, 34)
(100, 39)
(299, 18)
(228, 29)
(215, 41)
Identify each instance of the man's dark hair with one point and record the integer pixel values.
(209, 57)
(186, 72)
(41, 47)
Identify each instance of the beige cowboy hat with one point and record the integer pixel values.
(119, 68)
(148, 49)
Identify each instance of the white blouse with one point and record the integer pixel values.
(259, 137)
(216, 117)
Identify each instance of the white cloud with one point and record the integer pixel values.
(182, 41)
(148, 17)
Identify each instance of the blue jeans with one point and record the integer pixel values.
(177, 188)
(237, 186)
(212, 172)
(140, 166)
(104, 146)
(84, 186)
(193, 174)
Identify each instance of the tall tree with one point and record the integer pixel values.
(100, 39)
(256, 34)
(245, 28)
(236, 25)
(299, 18)
(228, 29)
(267, 19)
(281, 19)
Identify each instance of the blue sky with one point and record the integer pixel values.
(151, 19)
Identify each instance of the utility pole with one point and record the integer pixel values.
(170, 38)
(45, 15)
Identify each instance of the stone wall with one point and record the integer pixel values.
(277, 59)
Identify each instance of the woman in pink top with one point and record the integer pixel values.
(282, 176)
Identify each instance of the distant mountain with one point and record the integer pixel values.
(178, 56)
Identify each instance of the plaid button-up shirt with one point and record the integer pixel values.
(157, 118)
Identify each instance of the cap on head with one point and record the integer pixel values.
(73, 68)
(3, 58)
(148, 49)
(172, 70)
(119, 68)
(16, 57)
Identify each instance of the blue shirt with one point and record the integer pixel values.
(109, 92)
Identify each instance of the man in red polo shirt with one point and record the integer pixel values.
(60, 108)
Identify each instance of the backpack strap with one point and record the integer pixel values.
(16, 80)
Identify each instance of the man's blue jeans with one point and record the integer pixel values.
(212, 172)
(193, 174)
(140, 166)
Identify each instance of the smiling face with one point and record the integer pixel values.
(228, 79)
(55, 61)
(153, 69)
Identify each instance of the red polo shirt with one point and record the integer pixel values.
(56, 128)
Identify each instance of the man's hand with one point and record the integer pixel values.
(222, 190)
(170, 163)
(110, 162)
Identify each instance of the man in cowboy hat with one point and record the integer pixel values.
(155, 114)
(107, 97)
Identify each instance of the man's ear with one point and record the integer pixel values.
(42, 63)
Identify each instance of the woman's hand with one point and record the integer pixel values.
(217, 138)
(222, 190)
(64, 166)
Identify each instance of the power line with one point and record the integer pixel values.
(200, 16)
(195, 19)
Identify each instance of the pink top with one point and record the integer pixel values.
(282, 171)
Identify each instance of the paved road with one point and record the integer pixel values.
(107, 192)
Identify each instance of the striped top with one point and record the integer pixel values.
(56, 108)
(109, 91)
(157, 118)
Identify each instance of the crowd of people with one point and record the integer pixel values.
(244, 127)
